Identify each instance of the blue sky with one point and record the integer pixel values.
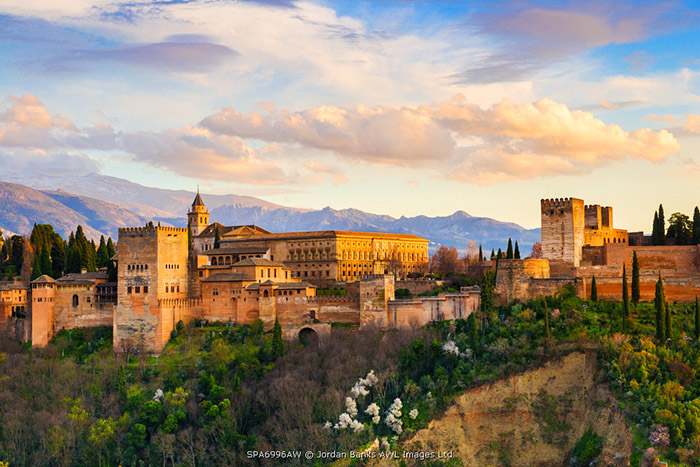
(399, 108)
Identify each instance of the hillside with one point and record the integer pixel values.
(23, 207)
(137, 204)
(531, 419)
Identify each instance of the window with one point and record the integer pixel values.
(215, 291)
(145, 289)
(75, 299)
(128, 290)
(178, 288)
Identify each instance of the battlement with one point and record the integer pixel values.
(142, 231)
(557, 203)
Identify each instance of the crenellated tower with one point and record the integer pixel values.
(563, 222)
(198, 216)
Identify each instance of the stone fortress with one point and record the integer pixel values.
(579, 242)
(233, 274)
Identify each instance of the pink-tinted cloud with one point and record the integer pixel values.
(26, 123)
(691, 126)
(387, 134)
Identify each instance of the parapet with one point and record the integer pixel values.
(556, 203)
(143, 231)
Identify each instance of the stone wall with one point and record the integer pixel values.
(513, 277)
(414, 313)
(667, 259)
(678, 288)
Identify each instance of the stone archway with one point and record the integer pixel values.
(308, 337)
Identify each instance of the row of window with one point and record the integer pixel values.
(172, 266)
(137, 289)
(136, 267)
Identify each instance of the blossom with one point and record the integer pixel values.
(327, 425)
(413, 414)
(344, 420)
(351, 406)
(356, 426)
(450, 347)
(159, 395)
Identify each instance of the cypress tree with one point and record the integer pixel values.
(509, 251)
(45, 261)
(58, 258)
(594, 290)
(481, 254)
(102, 255)
(667, 326)
(111, 251)
(659, 305)
(697, 319)
(73, 259)
(217, 237)
(516, 253)
(655, 229)
(36, 266)
(635, 280)
(493, 253)
(499, 255)
(696, 226)
(277, 342)
(625, 298)
(486, 297)
(473, 332)
(662, 226)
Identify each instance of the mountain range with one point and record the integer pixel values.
(102, 204)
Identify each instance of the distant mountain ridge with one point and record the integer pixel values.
(102, 204)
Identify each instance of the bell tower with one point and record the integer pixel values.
(198, 216)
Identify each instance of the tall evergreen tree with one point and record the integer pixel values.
(73, 259)
(36, 266)
(509, 251)
(696, 227)
(655, 229)
(659, 306)
(662, 227)
(594, 290)
(516, 252)
(493, 253)
(486, 297)
(481, 254)
(45, 261)
(667, 326)
(499, 255)
(58, 258)
(277, 342)
(217, 237)
(102, 255)
(17, 252)
(473, 332)
(697, 319)
(635, 280)
(625, 299)
(111, 251)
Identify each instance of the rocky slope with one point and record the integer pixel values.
(532, 419)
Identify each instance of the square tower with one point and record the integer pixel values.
(563, 222)
(152, 271)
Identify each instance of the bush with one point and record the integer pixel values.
(587, 448)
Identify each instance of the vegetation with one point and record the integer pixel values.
(587, 449)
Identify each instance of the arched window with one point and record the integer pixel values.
(75, 300)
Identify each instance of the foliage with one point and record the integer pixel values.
(594, 290)
(587, 449)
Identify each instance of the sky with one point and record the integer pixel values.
(402, 108)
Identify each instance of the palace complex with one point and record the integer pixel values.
(579, 242)
(233, 274)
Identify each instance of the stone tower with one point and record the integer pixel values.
(43, 310)
(152, 269)
(563, 222)
(198, 216)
